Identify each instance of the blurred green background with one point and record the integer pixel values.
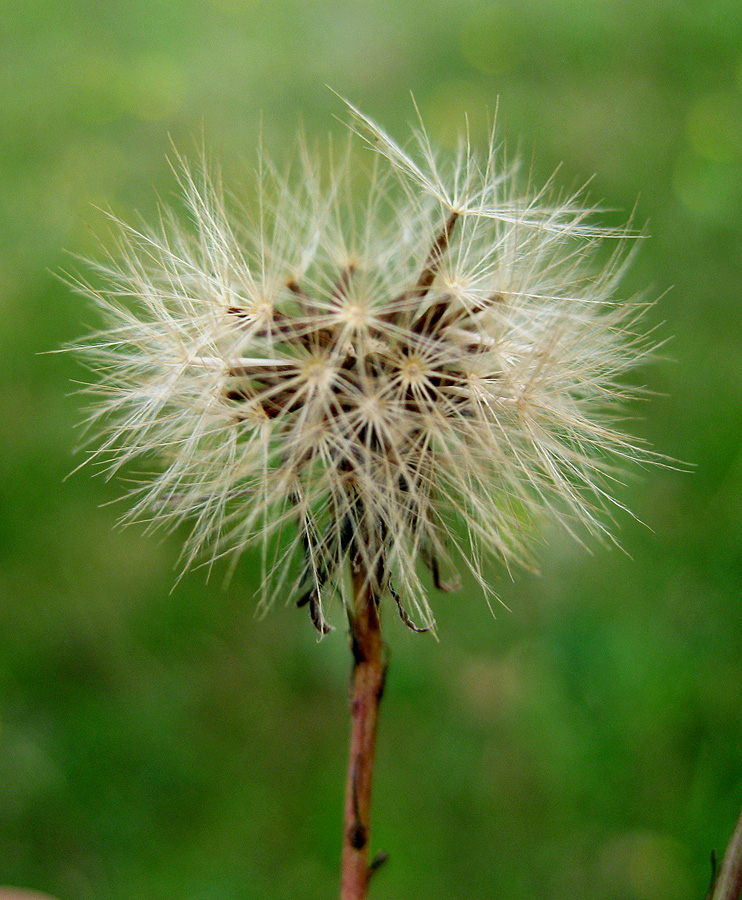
(586, 743)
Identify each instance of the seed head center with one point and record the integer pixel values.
(413, 370)
(372, 408)
(263, 311)
(355, 314)
(318, 371)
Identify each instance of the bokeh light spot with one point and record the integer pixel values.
(154, 88)
(714, 127)
(450, 104)
(489, 42)
(707, 188)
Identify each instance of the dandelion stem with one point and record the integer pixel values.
(367, 687)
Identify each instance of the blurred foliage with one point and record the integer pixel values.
(584, 742)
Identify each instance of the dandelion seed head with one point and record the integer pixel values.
(410, 380)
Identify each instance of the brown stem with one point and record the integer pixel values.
(728, 885)
(367, 687)
(437, 252)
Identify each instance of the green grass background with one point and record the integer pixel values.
(588, 742)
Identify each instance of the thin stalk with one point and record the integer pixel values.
(728, 884)
(367, 687)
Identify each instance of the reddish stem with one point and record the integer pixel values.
(367, 687)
